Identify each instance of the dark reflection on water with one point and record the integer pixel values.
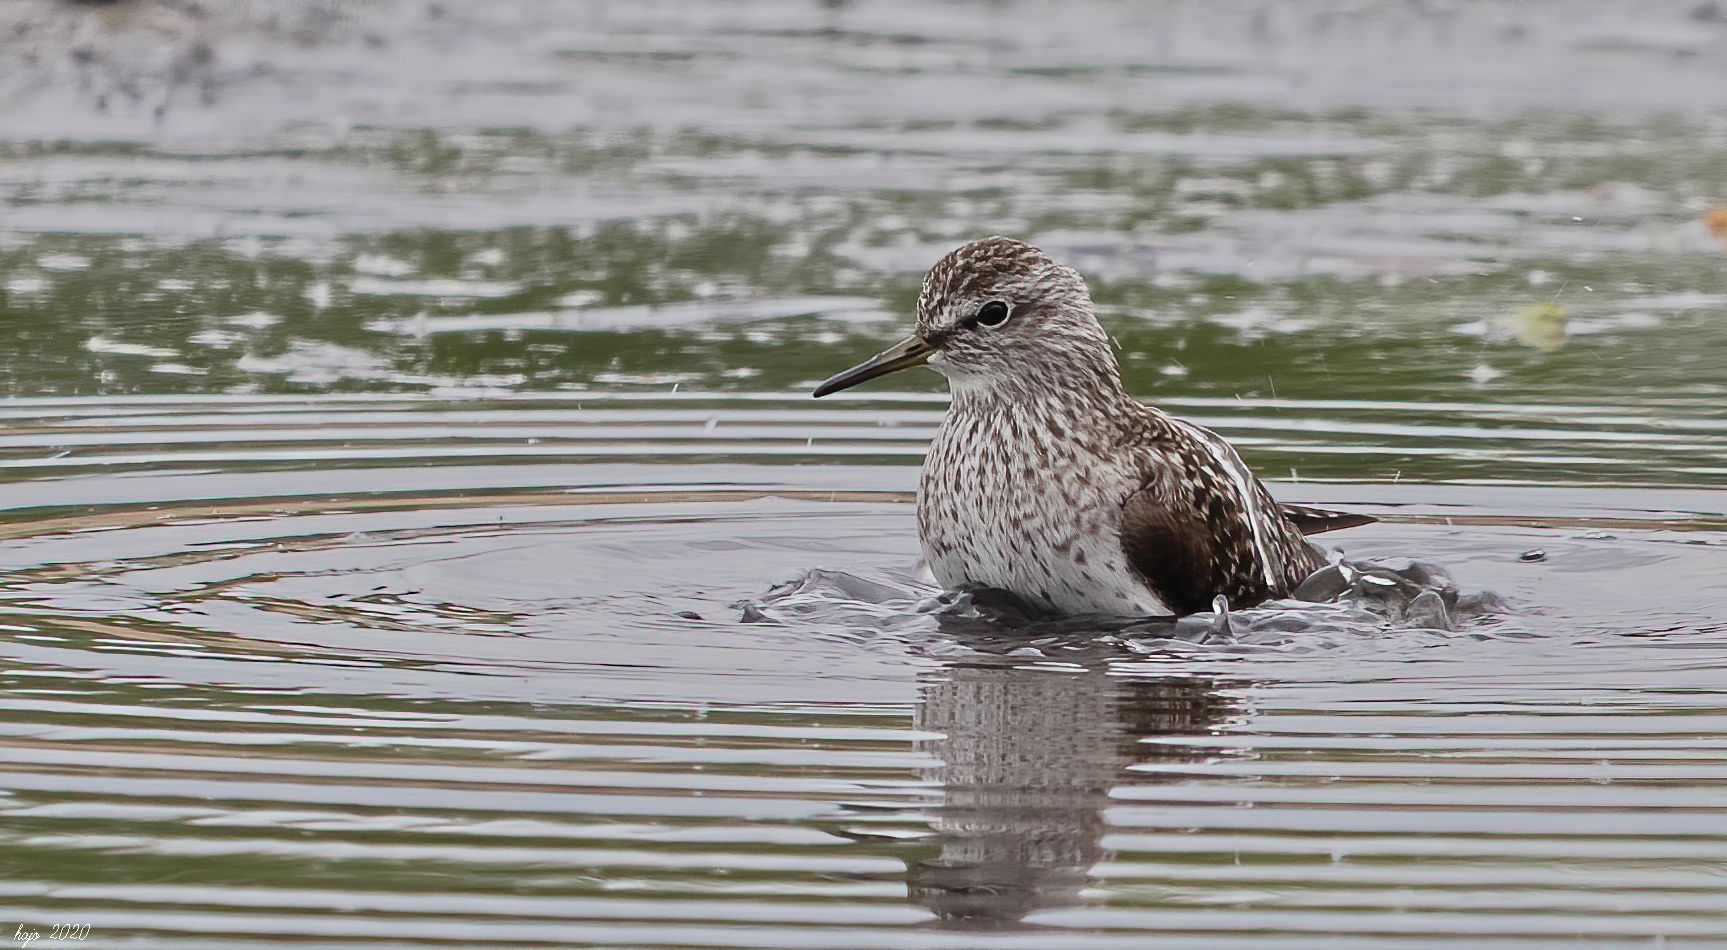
(1028, 758)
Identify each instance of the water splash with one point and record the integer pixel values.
(1346, 598)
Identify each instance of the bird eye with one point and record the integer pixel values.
(992, 314)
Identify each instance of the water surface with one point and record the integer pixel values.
(400, 403)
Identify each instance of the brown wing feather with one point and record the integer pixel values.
(1188, 531)
(1321, 520)
(1183, 557)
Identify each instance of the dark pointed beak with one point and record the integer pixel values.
(909, 352)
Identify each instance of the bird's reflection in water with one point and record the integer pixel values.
(1028, 757)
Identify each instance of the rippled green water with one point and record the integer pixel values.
(398, 398)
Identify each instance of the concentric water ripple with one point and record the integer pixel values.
(1676, 442)
(404, 700)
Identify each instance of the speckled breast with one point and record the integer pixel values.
(1009, 499)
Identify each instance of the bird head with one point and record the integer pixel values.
(997, 312)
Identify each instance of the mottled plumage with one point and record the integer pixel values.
(1048, 480)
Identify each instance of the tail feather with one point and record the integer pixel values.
(1319, 520)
